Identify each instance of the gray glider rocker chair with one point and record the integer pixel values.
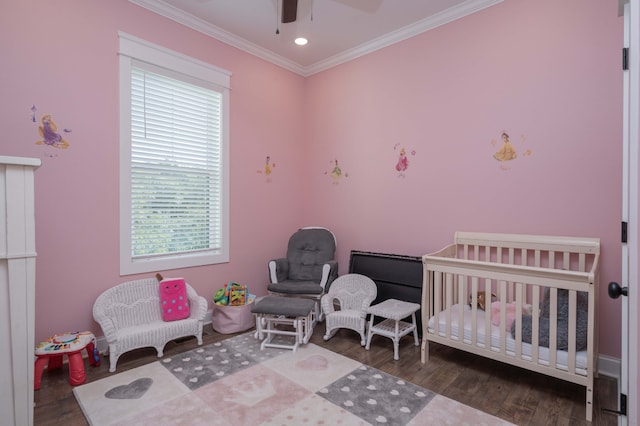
(308, 269)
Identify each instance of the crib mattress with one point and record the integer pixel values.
(543, 352)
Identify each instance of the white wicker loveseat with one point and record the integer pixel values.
(130, 317)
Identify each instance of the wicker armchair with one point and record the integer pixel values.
(346, 303)
(130, 317)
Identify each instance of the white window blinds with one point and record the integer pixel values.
(175, 165)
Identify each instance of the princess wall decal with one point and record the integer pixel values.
(49, 135)
(508, 152)
(267, 170)
(402, 163)
(336, 172)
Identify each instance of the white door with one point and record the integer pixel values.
(632, 322)
(630, 215)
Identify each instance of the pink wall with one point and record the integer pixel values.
(62, 57)
(546, 72)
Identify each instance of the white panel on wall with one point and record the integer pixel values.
(17, 289)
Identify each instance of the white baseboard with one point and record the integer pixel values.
(609, 366)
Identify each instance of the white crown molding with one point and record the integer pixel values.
(193, 22)
(444, 17)
(168, 11)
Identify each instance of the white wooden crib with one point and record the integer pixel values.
(524, 273)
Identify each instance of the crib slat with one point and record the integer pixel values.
(488, 287)
(448, 290)
(503, 316)
(487, 318)
(461, 285)
(553, 325)
(518, 320)
(438, 299)
(474, 325)
(582, 262)
(474, 322)
(535, 322)
(572, 331)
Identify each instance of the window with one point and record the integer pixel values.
(173, 160)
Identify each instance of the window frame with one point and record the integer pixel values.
(133, 49)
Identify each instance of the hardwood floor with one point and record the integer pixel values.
(507, 392)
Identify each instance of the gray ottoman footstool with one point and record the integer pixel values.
(295, 312)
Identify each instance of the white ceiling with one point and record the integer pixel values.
(338, 30)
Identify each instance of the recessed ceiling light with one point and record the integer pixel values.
(301, 41)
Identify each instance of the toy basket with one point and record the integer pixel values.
(232, 319)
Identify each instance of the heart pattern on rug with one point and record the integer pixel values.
(133, 390)
(314, 362)
(235, 383)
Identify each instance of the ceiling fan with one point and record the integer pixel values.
(290, 7)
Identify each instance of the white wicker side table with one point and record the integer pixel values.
(393, 327)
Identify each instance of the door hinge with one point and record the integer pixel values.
(623, 235)
(623, 406)
(625, 58)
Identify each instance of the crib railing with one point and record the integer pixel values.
(452, 283)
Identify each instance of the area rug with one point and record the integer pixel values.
(233, 382)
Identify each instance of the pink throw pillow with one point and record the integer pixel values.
(510, 317)
(174, 302)
(510, 314)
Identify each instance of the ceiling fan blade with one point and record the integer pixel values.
(289, 10)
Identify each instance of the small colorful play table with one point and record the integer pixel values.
(70, 344)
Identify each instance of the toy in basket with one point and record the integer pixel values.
(232, 309)
(237, 295)
(233, 294)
